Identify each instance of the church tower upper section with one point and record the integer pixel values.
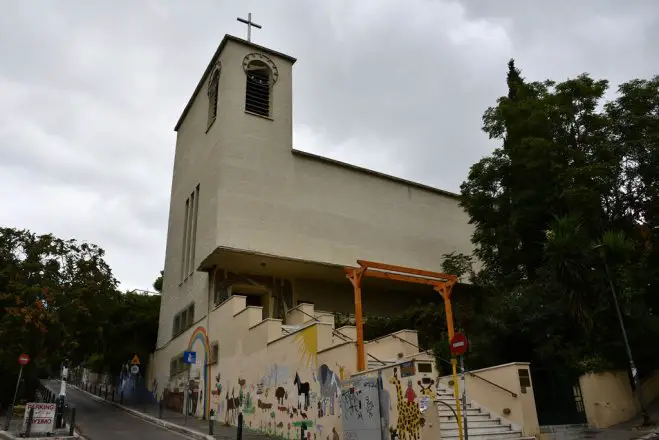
(239, 113)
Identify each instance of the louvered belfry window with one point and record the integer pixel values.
(257, 94)
(212, 97)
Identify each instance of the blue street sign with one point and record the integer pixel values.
(189, 357)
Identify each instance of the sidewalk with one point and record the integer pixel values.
(632, 429)
(192, 427)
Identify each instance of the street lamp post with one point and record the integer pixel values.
(632, 365)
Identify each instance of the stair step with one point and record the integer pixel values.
(452, 404)
(498, 429)
(470, 411)
(509, 435)
(473, 418)
(488, 423)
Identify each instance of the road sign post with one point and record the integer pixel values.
(459, 346)
(464, 396)
(23, 360)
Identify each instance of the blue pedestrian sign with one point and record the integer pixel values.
(189, 357)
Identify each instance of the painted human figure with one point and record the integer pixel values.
(410, 395)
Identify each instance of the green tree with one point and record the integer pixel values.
(564, 211)
(55, 294)
(567, 177)
(60, 301)
(157, 284)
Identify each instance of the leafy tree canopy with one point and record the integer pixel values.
(572, 190)
(60, 302)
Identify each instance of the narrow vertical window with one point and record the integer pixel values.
(189, 234)
(191, 315)
(257, 92)
(195, 216)
(213, 91)
(184, 241)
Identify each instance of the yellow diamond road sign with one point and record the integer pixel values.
(135, 361)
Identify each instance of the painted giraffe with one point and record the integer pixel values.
(409, 415)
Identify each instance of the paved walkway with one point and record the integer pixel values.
(98, 420)
(190, 426)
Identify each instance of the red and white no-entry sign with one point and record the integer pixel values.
(23, 359)
(459, 344)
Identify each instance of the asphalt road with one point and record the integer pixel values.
(100, 421)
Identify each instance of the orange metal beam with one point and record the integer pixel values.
(398, 277)
(406, 270)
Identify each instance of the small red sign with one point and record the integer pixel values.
(459, 344)
(23, 359)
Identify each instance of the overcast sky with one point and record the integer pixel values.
(90, 92)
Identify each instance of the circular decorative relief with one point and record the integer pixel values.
(255, 56)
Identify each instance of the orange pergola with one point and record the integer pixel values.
(440, 282)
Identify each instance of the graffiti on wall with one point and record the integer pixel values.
(360, 409)
(199, 343)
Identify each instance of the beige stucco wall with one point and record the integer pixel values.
(608, 397)
(522, 411)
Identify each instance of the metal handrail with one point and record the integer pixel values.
(468, 372)
(449, 407)
(493, 384)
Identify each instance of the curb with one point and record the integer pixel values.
(6, 435)
(650, 436)
(156, 421)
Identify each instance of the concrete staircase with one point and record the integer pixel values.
(481, 424)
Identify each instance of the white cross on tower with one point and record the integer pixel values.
(249, 24)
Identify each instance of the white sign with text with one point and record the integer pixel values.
(43, 419)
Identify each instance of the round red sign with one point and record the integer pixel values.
(459, 344)
(23, 359)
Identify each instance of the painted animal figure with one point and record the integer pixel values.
(232, 405)
(330, 389)
(302, 389)
(280, 394)
(409, 415)
(264, 406)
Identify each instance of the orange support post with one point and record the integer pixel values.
(355, 276)
(444, 289)
(441, 282)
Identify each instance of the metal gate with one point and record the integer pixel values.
(362, 404)
(558, 397)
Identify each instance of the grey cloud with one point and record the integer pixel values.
(91, 90)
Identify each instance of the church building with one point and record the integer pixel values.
(259, 236)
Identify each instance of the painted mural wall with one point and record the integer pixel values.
(280, 388)
(296, 379)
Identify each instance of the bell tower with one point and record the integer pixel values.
(233, 140)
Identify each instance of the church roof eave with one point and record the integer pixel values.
(224, 42)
